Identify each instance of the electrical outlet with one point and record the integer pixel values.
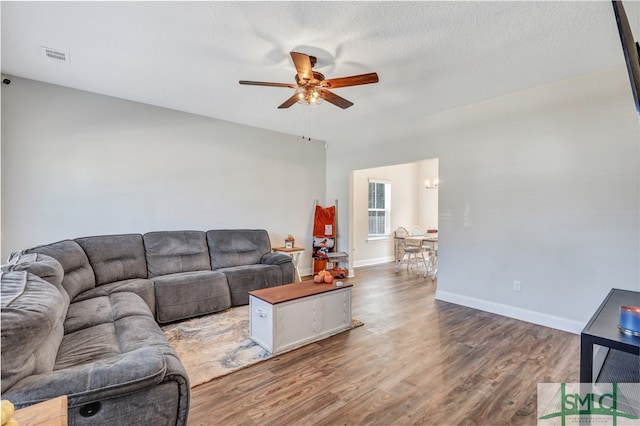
(516, 286)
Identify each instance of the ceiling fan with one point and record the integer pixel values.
(311, 86)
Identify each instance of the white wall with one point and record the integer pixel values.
(76, 164)
(541, 186)
(427, 198)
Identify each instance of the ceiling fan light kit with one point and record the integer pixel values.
(309, 96)
(312, 87)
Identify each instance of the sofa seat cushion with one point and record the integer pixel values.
(189, 294)
(237, 247)
(132, 328)
(243, 279)
(78, 274)
(32, 318)
(89, 313)
(88, 345)
(115, 257)
(103, 327)
(142, 287)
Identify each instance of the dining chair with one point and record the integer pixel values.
(431, 247)
(417, 230)
(401, 232)
(433, 263)
(413, 253)
(432, 254)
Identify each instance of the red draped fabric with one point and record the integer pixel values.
(324, 216)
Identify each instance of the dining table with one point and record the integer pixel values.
(428, 238)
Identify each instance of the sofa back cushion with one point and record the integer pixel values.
(115, 257)
(32, 316)
(78, 274)
(236, 247)
(171, 252)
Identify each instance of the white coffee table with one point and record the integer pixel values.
(292, 315)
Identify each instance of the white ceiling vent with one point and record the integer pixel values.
(56, 55)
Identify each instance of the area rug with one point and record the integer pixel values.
(218, 344)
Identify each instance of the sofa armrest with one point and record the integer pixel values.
(110, 377)
(275, 259)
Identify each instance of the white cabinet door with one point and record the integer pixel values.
(261, 322)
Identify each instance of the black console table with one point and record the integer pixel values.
(602, 329)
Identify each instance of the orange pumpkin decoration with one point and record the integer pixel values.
(323, 276)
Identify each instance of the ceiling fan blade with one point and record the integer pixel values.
(353, 80)
(292, 100)
(264, 83)
(303, 65)
(335, 99)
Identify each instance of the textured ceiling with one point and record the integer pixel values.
(430, 56)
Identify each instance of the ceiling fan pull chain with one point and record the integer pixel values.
(309, 119)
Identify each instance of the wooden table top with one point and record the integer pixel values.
(426, 237)
(287, 292)
(288, 249)
(48, 413)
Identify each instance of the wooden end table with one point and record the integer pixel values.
(48, 413)
(295, 253)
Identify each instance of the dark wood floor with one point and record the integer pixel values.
(416, 361)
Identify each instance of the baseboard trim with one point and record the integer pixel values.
(370, 262)
(534, 317)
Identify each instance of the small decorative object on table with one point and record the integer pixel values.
(630, 320)
(289, 241)
(7, 413)
(323, 276)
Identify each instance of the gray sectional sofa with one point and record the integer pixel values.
(80, 317)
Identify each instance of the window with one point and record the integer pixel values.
(379, 208)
